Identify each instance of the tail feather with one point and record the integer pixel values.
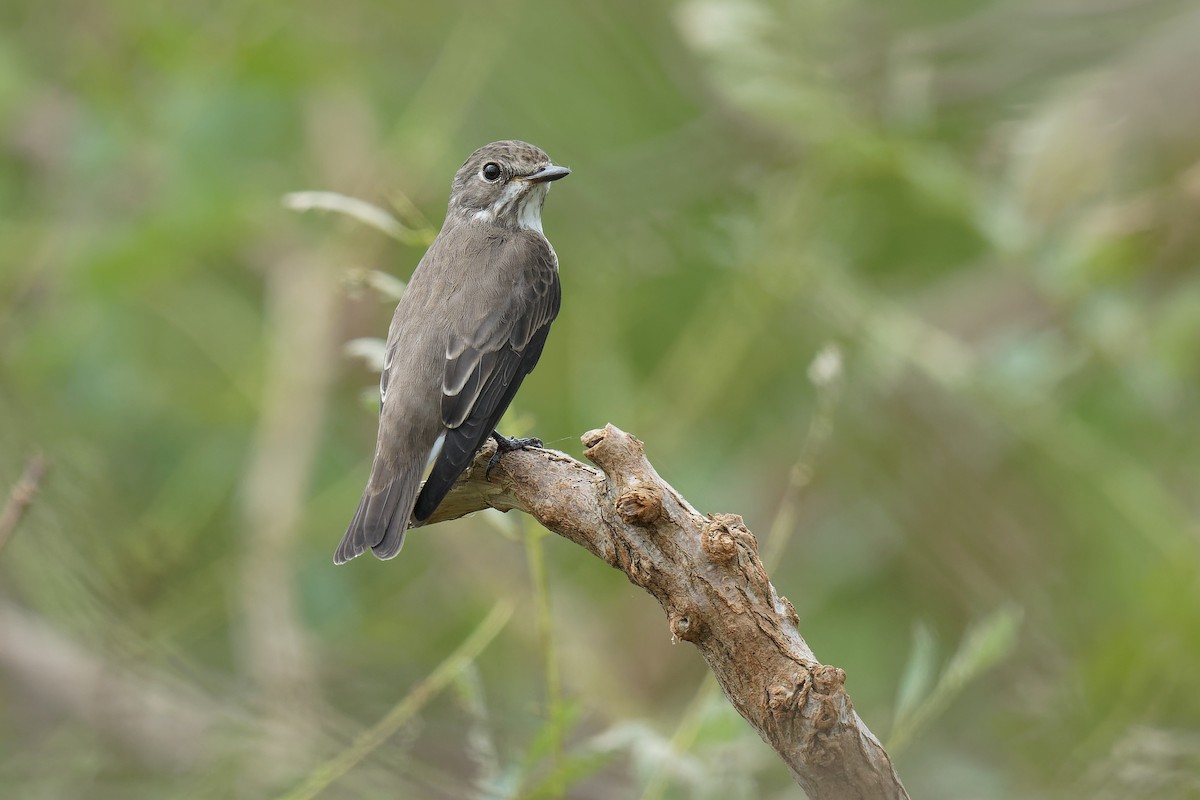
(458, 448)
(381, 519)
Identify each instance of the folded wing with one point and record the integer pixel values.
(488, 354)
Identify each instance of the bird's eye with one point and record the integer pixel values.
(491, 171)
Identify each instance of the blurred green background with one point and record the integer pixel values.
(983, 498)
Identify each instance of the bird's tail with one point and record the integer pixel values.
(381, 519)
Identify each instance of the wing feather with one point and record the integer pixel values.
(489, 356)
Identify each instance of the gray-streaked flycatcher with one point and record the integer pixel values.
(470, 326)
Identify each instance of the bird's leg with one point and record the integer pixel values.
(507, 445)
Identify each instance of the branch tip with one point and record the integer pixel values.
(615, 451)
(593, 438)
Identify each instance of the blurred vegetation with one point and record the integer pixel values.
(983, 502)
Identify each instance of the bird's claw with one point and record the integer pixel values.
(506, 445)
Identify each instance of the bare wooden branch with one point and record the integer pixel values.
(706, 574)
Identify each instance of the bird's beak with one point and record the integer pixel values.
(547, 174)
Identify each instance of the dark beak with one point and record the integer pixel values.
(547, 174)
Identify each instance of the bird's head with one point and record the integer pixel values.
(505, 184)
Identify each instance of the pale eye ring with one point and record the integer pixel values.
(490, 172)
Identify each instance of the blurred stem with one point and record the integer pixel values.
(273, 644)
(21, 497)
(985, 644)
(535, 556)
(820, 429)
(684, 736)
(163, 721)
(366, 213)
(481, 746)
(466, 653)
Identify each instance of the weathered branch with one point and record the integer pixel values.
(706, 573)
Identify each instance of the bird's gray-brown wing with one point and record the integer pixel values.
(409, 421)
(383, 512)
(488, 354)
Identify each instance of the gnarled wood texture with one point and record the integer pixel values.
(706, 574)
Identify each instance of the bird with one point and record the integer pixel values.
(470, 325)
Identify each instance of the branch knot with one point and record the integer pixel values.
(640, 505)
(723, 534)
(685, 627)
(612, 449)
(784, 698)
(829, 680)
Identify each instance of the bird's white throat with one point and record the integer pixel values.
(529, 200)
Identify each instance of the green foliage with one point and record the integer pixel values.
(985, 211)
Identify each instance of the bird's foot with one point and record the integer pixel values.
(507, 445)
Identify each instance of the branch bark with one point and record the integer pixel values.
(706, 574)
